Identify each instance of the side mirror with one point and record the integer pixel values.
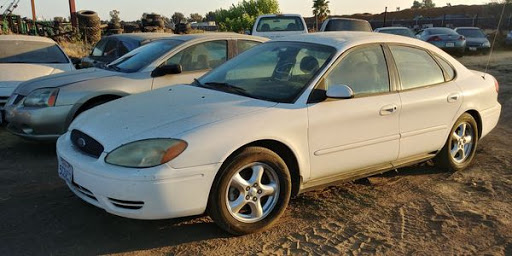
(167, 70)
(339, 92)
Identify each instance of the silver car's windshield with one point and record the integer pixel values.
(17, 51)
(275, 71)
(141, 57)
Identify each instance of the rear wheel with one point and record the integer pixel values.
(251, 192)
(460, 147)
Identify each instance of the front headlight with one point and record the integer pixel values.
(146, 153)
(45, 97)
(486, 44)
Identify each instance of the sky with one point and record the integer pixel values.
(133, 9)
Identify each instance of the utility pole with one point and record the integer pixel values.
(72, 11)
(34, 16)
(385, 16)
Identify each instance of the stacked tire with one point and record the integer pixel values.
(89, 24)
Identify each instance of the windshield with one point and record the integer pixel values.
(275, 71)
(440, 31)
(274, 24)
(475, 33)
(400, 32)
(348, 25)
(15, 51)
(143, 56)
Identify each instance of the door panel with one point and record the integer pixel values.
(346, 135)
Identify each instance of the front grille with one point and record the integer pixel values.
(84, 191)
(130, 205)
(18, 99)
(86, 143)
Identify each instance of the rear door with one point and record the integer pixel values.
(430, 100)
(195, 60)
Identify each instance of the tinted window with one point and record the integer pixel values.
(449, 72)
(98, 49)
(271, 24)
(244, 45)
(13, 51)
(364, 70)
(416, 67)
(143, 56)
(270, 71)
(400, 32)
(110, 49)
(348, 25)
(476, 33)
(201, 56)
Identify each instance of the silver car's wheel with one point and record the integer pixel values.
(460, 148)
(462, 142)
(252, 192)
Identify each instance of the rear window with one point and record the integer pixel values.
(475, 33)
(400, 32)
(437, 31)
(275, 24)
(14, 51)
(348, 25)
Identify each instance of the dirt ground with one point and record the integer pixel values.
(419, 210)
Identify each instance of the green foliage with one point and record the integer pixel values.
(242, 16)
(423, 4)
(195, 17)
(321, 9)
(177, 17)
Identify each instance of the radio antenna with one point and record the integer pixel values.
(495, 36)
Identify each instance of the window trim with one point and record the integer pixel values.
(228, 51)
(431, 54)
(391, 76)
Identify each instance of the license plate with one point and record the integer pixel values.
(450, 44)
(65, 171)
(473, 49)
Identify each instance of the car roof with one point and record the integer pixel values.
(475, 28)
(218, 35)
(279, 15)
(390, 28)
(27, 38)
(142, 36)
(343, 39)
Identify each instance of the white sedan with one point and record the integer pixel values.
(284, 117)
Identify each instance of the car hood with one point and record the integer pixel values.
(163, 113)
(63, 79)
(11, 74)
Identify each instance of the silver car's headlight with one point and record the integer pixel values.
(146, 153)
(45, 97)
(486, 44)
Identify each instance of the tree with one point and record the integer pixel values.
(321, 10)
(423, 4)
(416, 5)
(177, 17)
(210, 16)
(195, 17)
(242, 16)
(114, 17)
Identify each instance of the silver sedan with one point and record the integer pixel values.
(43, 108)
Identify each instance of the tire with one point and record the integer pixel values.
(250, 191)
(458, 160)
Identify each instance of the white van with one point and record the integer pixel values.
(279, 25)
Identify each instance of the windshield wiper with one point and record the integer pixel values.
(227, 87)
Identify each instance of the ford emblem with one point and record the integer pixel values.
(81, 142)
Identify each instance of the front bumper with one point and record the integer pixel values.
(160, 192)
(37, 123)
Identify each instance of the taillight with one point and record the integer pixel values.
(462, 38)
(434, 39)
(497, 85)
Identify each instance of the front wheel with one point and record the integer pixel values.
(460, 147)
(251, 192)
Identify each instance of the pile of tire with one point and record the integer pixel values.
(183, 28)
(89, 24)
(153, 20)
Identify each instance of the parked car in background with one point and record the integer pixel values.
(346, 24)
(26, 57)
(446, 39)
(508, 40)
(400, 31)
(285, 117)
(43, 108)
(279, 25)
(476, 39)
(112, 47)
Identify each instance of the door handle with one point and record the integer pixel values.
(388, 110)
(454, 97)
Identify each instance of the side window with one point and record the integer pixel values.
(202, 56)
(416, 67)
(98, 49)
(364, 70)
(244, 45)
(449, 72)
(110, 49)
